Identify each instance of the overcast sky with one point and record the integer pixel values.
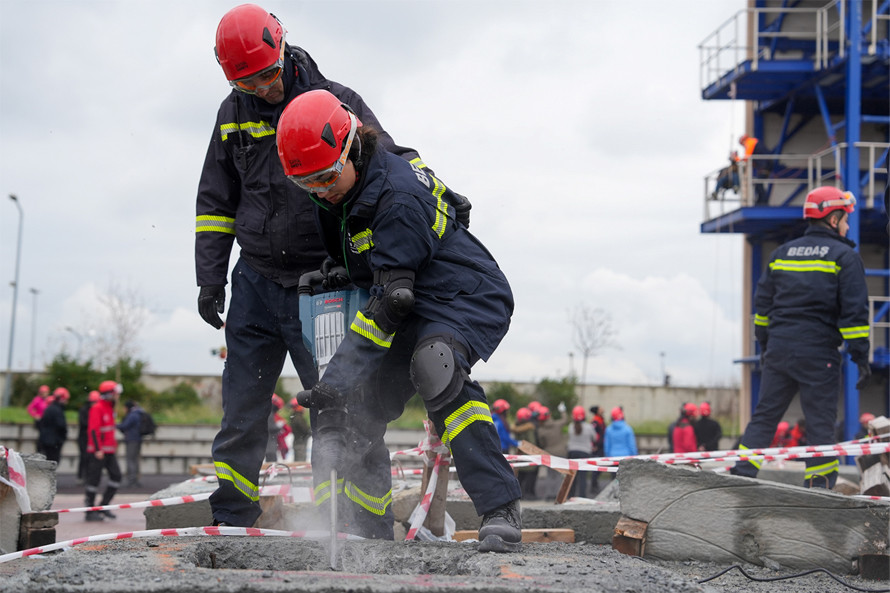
(576, 128)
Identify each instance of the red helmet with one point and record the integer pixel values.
(543, 413)
(500, 406)
(296, 405)
(94, 397)
(690, 409)
(867, 417)
(617, 414)
(523, 415)
(110, 388)
(783, 427)
(248, 40)
(314, 133)
(578, 413)
(826, 199)
(61, 394)
(534, 405)
(705, 409)
(44, 390)
(277, 401)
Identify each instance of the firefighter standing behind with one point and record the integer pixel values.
(439, 303)
(102, 449)
(244, 195)
(811, 298)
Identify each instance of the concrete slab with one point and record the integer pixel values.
(693, 514)
(41, 486)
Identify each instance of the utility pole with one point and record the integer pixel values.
(7, 392)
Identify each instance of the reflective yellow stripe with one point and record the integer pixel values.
(373, 504)
(859, 331)
(755, 462)
(362, 241)
(255, 129)
(806, 265)
(323, 490)
(368, 329)
(225, 472)
(219, 224)
(465, 415)
(761, 320)
(441, 207)
(418, 162)
(821, 470)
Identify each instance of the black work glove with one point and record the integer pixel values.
(304, 398)
(462, 208)
(864, 374)
(335, 276)
(212, 302)
(331, 424)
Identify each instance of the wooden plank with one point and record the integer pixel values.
(565, 487)
(528, 535)
(630, 537)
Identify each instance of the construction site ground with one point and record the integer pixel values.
(268, 564)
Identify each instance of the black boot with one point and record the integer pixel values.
(501, 529)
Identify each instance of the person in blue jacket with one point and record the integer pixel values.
(811, 298)
(620, 438)
(438, 304)
(502, 425)
(244, 196)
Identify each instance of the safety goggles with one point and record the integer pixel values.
(322, 180)
(848, 201)
(260, 81)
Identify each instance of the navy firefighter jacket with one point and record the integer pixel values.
(244, 194)
(398, 217)
(813, 294)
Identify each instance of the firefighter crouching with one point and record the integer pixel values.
(811, 298)
(438, 304)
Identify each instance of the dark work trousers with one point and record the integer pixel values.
(94, 476)
(579, 485)
(789, 369)
(134, 450)
(464, 424)
(262, 327)
(52, 452)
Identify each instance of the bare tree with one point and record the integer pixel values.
(592, 333)
(124, 316)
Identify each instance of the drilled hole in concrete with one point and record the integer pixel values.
(368, 557)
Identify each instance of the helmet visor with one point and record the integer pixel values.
(322, 180)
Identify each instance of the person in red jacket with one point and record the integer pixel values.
(102, 449)
(683, 437)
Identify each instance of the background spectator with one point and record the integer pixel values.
(620, 438)
(300, 429)
(525, 431)
(683, 436)
(599, 427)
(53, 428)
(580, 446)
(707, 430)
(83, 418)
(36, 409)
(130, 426)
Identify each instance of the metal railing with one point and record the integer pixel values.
(725, 50)
(874, 324)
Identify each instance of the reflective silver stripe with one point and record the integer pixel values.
(465, 415)
(225, 472)
(362, 241)
(859, 331)
(255, 129)
(373, 504)
(219, 224)
(368, 329)
(323, 491)
(821, 470)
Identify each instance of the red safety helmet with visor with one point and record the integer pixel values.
(826, 199)
(310, 134)
(250, 48)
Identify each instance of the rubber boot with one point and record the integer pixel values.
(501, 529)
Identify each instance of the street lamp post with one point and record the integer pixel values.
(79, 341)
(7, 392)
(34, 292)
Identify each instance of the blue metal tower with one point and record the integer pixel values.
(815, 78)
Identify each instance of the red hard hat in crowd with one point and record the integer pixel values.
(867, 417)
(690, 409)
(543, 413)
(578, 413)
(43, 390)
(94, 396)
(62, 394)
(705, 409)
(277, 401)
(296, 405)
(523, 415)
(617, 414)
(826, 199)
(314, 133)
(248, 40)
(783, 427)
(500, 406)
(110, 387)
(534, 405)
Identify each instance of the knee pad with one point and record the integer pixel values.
(436, 373)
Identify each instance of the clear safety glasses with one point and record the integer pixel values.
(260, 81)
(322, 180)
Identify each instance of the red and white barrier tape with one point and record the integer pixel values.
(181, 532)
(427, 500)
